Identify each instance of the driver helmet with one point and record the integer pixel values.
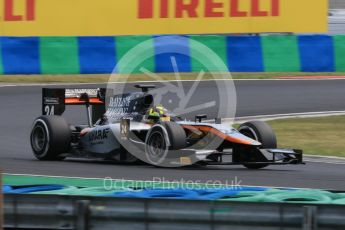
(158, 112)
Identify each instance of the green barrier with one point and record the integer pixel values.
(127, 44)
(340, 196)
(301, 196)
(339, 201)
(339, 52)
(332, 195)
(276, 191)
(65, 191)
(59, 55)
(280, 53)
(96, 191)
(93, 191)
(247, 196)
(215, 43)
(255, 196)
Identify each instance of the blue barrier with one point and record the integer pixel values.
(244, 54)
(165, 50)
(97, 54)
(20, 55)
(6, 188)
(316, 53)
(161, 193)
(203, 194)
(34, 188)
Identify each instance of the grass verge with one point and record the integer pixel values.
(316, 136)
(102, 78)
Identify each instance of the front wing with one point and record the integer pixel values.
(271, 157)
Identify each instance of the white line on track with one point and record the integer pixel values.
(282, 116)
(325, 159)
(103, 83)
(324, 162)
(100, 83)
(289, 115)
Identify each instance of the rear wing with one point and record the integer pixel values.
(54, 101)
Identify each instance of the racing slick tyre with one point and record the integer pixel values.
(262, 132)
(161, 139)
(50, 137)
(177, 135)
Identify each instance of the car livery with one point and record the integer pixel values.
(128, 128)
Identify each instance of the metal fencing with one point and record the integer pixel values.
(69, 212)
(336, 22)
(336, 4)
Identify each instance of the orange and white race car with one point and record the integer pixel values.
(129, 128)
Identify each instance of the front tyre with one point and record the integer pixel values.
(156, 146)
(164, 139)
(262, 132)
(50, 138)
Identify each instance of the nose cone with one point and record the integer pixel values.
(239, 138)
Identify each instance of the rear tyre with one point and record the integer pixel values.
(262, 132)
(50, 138)
(158, 139)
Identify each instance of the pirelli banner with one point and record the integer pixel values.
(143, 17)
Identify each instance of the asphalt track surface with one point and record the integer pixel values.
(20, 105)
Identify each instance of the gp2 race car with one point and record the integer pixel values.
(129, 128)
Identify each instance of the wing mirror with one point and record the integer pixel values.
(198, 118)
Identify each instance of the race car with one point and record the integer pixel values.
(130, 128)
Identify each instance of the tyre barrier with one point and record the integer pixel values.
(300, 196)
(339, 201)
(6, 189)
(341, 195)
(97, 191)
(35, 188)
(244, 194)
(160, 193)
(220, 194)
(93, 191)
(63, 191)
